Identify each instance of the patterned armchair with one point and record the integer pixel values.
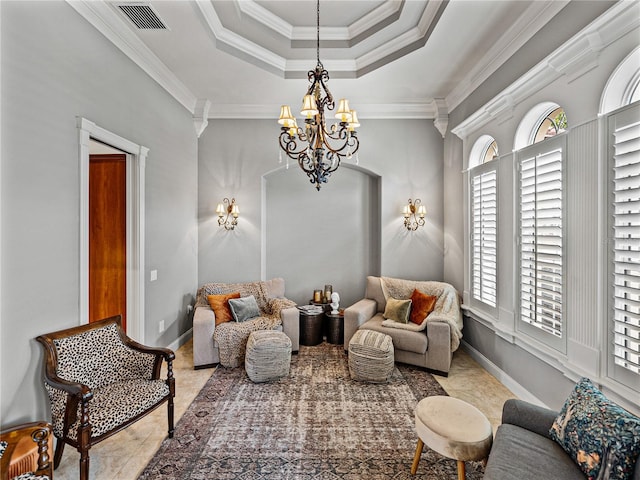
(100, 381)
(24, 452)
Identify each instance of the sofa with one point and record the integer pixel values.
(275, 312)
(523, 448)
(429, 345)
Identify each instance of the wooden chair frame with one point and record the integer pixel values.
(80, 395)
(41, 434)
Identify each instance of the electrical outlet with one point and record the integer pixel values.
(189, 308)
(153, 275)
(161, 326)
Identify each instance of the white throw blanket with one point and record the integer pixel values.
(447, 308)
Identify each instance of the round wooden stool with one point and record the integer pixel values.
(452, 428)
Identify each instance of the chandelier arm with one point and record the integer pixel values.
(352, 143)
(290, 145)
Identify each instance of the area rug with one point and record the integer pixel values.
(315, 424)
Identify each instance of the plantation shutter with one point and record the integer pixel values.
(540, 230)
(624, 134)
(484, 236)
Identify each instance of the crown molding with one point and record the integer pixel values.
(281, 27)
(107, 22)
(536, 16)
(574, 58)
(399, 45)
(201, 115)
(238, 43)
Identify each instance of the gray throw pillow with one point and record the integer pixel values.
(244, 308)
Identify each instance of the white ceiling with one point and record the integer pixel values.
(391, 58)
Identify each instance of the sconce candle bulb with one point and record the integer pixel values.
(414, 213)
(228, 213)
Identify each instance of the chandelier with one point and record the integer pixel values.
(317, 148)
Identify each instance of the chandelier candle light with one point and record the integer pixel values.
(414, 213)
(319, 149)
(232, 212)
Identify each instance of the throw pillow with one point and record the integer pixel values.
(397, 310)
(220, 306)
(600, 436)
(421, 306)
(244, 308)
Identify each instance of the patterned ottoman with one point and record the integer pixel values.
(268, 355)
(371, 356)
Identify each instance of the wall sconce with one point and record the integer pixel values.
(230, 209)
(414, 214)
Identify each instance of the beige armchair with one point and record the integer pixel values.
(276, 312)
(432, 346)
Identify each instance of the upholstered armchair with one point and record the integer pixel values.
(24, 452)
(100, 381)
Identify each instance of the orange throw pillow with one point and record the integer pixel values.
(421, 306)
(220, 306)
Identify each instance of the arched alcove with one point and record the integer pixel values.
(331, 236)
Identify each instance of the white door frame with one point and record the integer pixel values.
(136, 159)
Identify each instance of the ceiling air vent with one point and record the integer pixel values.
(142, 16)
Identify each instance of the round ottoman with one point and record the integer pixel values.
(371, 356)
(268, 355)
(452, 428)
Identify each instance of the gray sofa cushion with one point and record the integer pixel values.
(518, 453)
(407, 340)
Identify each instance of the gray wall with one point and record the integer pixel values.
(56, 67)
(405, 154)
(335, 232)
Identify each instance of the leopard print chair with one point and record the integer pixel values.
(24, 452)
(100, 381)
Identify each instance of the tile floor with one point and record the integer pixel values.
(123, 456)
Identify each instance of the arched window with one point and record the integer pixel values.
(623, 87)
(483, 188)
(540, 165)
(620, 104)
(553, 124)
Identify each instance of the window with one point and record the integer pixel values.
(484, 208)
(624, 246)
(491, 152)
(484, 220)
(540, 228)
(554, 123)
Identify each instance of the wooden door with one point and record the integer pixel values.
(107, 237)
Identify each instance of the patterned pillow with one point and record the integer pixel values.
(397, 310)
(601, 437)
(3, 447)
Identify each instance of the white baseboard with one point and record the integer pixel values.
(181, 340)
(521, 392)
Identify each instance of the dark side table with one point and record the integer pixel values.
(311, 328)
(334, 324)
